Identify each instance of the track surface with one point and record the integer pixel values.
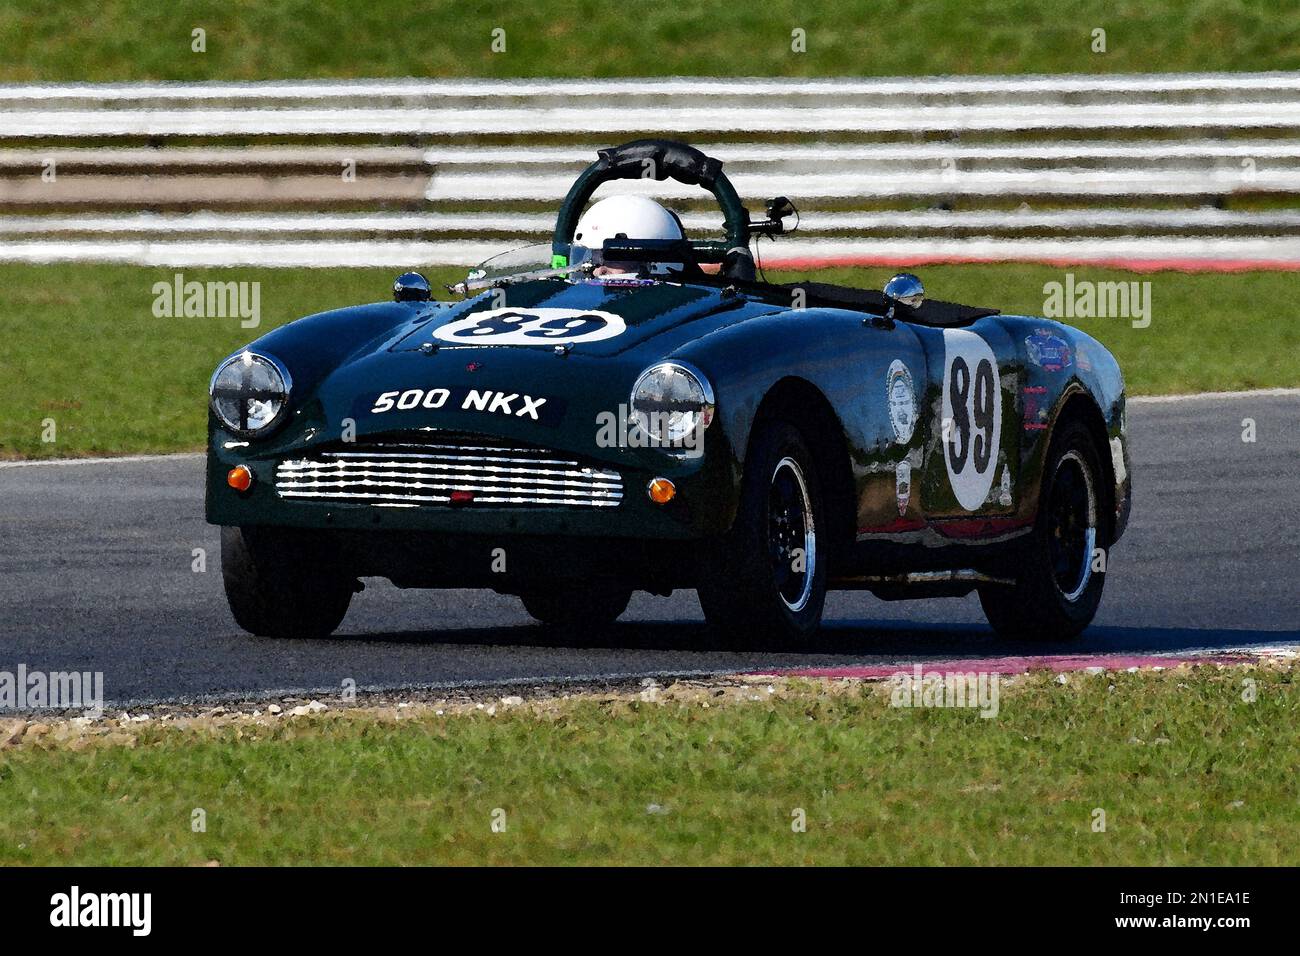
(95, 575)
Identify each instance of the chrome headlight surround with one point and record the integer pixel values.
(670, 402)
(249, 392)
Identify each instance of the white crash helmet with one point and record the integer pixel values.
(624, 217)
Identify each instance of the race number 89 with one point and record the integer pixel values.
(532, 326)
(971, 413)
(972, 416)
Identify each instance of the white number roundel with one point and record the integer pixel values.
(972, 416)
(531, 327)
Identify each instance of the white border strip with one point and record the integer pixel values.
(565, 118)
(1275, 250)
(155, 225)
(106, 460)
(689, 86)
(1214, 396)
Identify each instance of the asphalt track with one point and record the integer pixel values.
(95, 575)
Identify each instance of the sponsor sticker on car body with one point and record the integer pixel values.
(1048, 351)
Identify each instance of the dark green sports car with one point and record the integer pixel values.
(644, 413)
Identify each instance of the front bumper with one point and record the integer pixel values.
(704, 505)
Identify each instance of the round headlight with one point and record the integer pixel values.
(249, 391)
(671, 401)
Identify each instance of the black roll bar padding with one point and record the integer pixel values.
(657, 159)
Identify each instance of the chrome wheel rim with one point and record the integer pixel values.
(791, 527)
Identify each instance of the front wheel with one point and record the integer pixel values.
(765, 582)
(1058, 590)
(277, 587)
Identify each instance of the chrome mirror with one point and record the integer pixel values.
(411, 287)
(905, 289)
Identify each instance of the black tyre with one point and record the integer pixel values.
(276, 587)
(580, 609)
(1059, 587)
(764, 584)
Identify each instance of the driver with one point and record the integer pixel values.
(624, 217)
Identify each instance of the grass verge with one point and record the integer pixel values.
(87, 352)
(1186, 771)
(119, 40)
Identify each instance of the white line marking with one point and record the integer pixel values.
(513, 223)
(414, 254)
(788, 153)
(514, 187)
(561, 89)
(563, 118)
(107, 460)
(1214, 396)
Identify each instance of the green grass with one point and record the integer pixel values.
(1186, 772)
(87, 351)
(119, 40)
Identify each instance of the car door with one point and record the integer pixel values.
(884, 412)
(971, 456)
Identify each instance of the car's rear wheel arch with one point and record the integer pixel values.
(1080, 407)
(801, 403)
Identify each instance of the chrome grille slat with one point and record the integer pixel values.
(402, 474)
(445, 499)
(381, 471)
(606, 492)
(539, 493)
(342, 468)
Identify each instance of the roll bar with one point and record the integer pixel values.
(659, 159)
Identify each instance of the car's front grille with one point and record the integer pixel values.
(414, 475)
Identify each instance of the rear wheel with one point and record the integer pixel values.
(1059, 587)
(579, 608)
(765, 582)
(278, 587)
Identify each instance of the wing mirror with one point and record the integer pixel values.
(411, 287)
(903, 289)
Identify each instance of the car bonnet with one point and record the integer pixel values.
(594, 317)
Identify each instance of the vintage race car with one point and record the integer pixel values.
(570, 437)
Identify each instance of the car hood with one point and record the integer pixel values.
(408, 378)
(590, 318)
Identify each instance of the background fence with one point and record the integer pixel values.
(1193, 171)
